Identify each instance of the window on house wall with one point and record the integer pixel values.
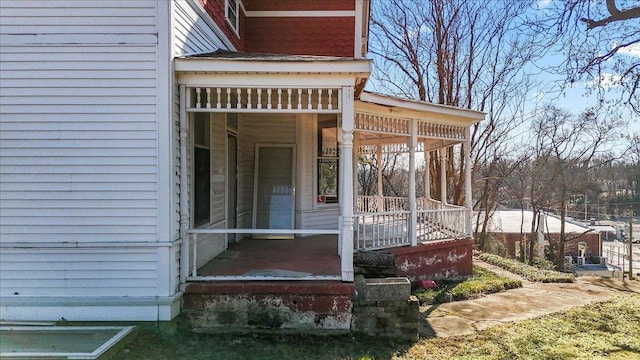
(232, 14)
(201, 169)
(327, 161)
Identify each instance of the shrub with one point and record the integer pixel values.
(482, 282)
(530, 273)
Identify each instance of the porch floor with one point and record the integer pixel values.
(311, 255)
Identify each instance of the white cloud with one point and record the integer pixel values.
(631, 50)
(607, 81)
(541, 4)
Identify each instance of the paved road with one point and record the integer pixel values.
(616, 252)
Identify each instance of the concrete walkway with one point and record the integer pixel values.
(530, 301)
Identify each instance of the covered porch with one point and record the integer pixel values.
(251, 103)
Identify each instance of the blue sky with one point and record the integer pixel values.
(577, 98)
(574, 99)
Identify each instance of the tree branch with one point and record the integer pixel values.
(616, 15)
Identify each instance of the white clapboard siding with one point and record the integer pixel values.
(175, 217)
(79, 131)
(192, 34)
(78, 272)
(321, 219)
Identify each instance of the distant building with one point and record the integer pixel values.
(605, 228)
(507, 227)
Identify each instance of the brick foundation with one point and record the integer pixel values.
(246, 306)
(434, 260)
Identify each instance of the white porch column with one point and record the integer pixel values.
(184, 188)
(466, 147)
(427, 175)
(356, 154)
(346, 202)
(379, 196)
(413, 215)
(340, 185)
(443, 176)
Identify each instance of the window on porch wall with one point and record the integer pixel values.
(201, 168)
(327, 160)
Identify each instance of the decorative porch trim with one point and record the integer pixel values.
(441, 131)
(383, 124)
(261, 99)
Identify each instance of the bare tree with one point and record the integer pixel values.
(367, 174)
(465, 53)
(566, 146)
(600, 41)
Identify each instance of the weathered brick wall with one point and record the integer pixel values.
(317, 306)
(434, 260)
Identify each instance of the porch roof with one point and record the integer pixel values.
(236, 63)
(415, 109)
(386, 120)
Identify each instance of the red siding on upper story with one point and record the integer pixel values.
(327, 36)
(303, 35)
(216, 10)
(297, 5)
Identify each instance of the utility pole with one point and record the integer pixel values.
(585, 208)
(631, 244)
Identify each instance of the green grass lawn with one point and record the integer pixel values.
(531, 273)
(480, 283)
(608, 330)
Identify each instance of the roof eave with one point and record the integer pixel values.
(360, 69)
(473, 115)
(265, 66)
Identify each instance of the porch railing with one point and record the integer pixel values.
(449, 223)
(367, 204)
(378, 230)
(378, 227)
(375, 203)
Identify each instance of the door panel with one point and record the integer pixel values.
(274, 187)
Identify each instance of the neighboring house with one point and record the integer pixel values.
(142, 140)
(606, 228)
(507, 227)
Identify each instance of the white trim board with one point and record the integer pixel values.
(216, 29)
(79, 308)
(309, 13)
(42, 336)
